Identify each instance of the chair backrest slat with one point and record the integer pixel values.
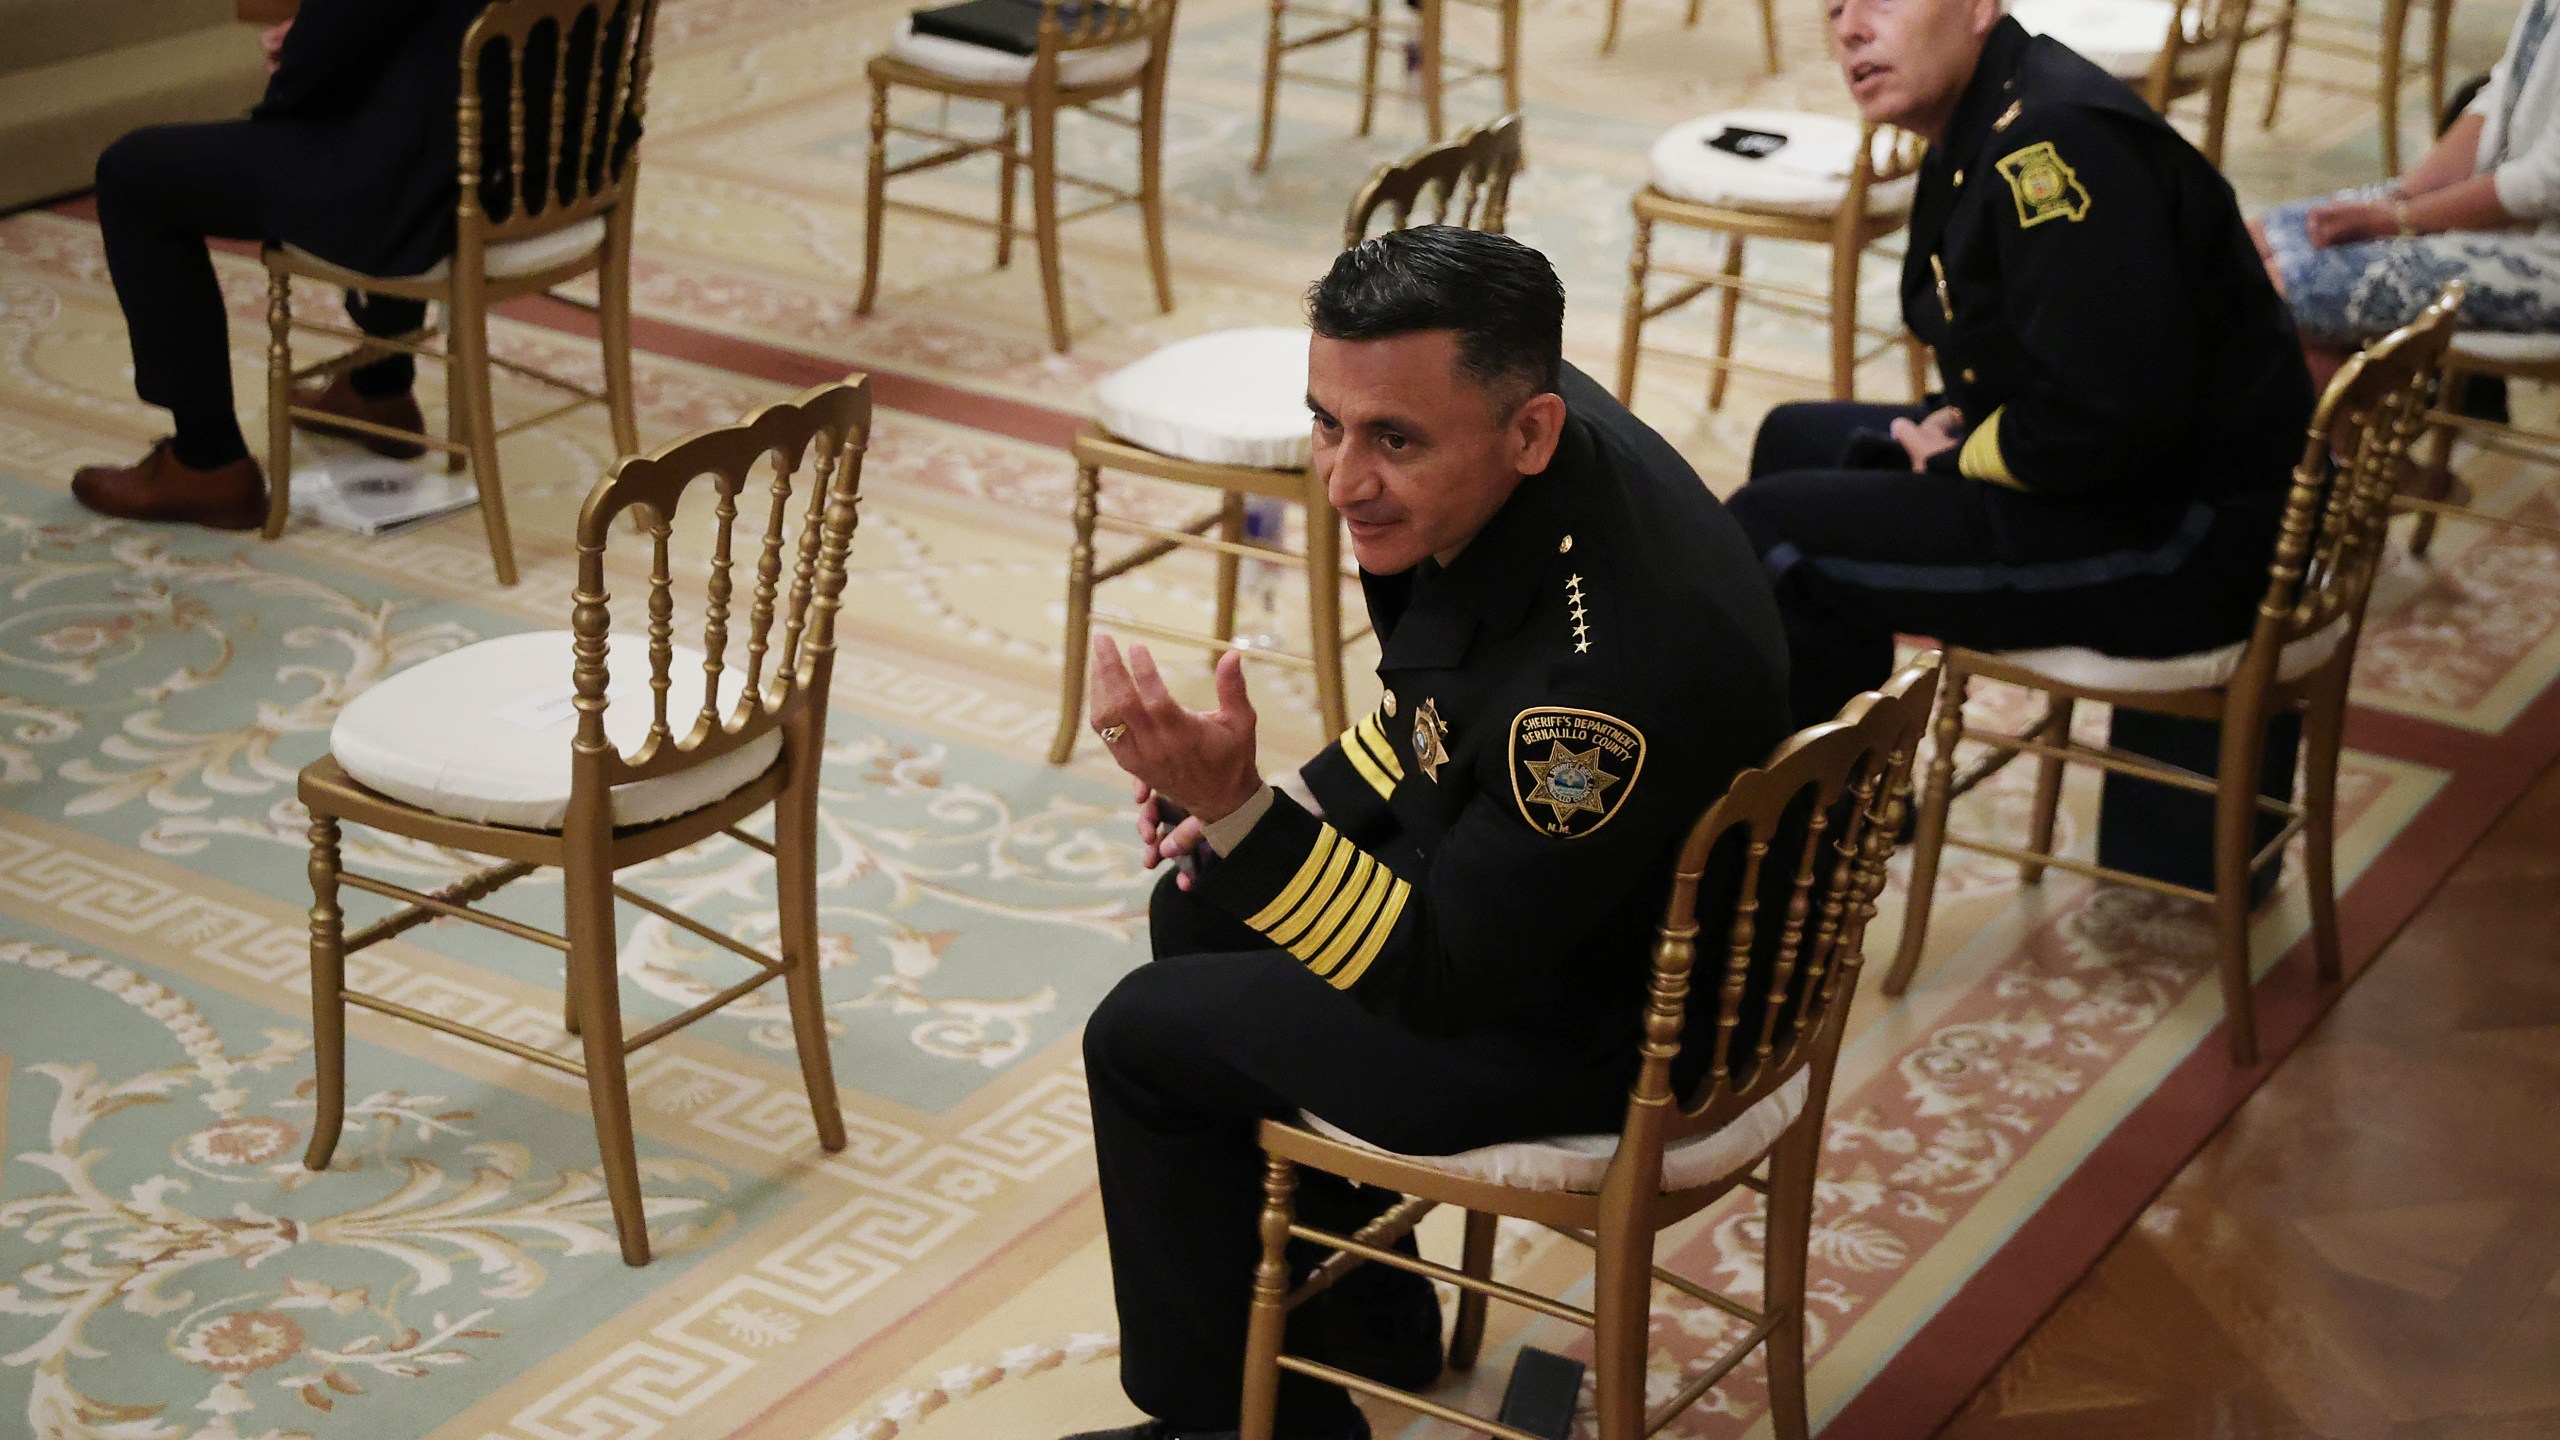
(1464, 182)
(823, 433)
(524, 174)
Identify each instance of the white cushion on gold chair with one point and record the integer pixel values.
(987, 65)
(2200, 671)
(483, 734)
(2493, 347)
(1230, 397)
(1576, 1163)
(517, 257)
(2121, 37)
(1809, 175)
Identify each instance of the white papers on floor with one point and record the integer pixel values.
(369, 495)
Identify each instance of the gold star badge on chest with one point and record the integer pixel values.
(1430, 739)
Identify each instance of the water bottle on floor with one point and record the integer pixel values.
(1258, 580)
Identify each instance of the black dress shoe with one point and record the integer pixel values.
(1377, 1322)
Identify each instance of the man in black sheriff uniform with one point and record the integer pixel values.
(2124, 393)
(1441, 941)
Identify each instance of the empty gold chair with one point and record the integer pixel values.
(2166, 49)
(1085, 55)
(2516, 359)
(2382, 43)
(549, 164)
(1228, 411)
(2300, 657)
(1768, 28)
(1427, 32)
(591, 750)
(1831, 182)
(1736, 1065)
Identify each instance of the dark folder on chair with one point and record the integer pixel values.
(1012, 26)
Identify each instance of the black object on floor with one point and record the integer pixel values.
(1545, 1387)
(2167, 833)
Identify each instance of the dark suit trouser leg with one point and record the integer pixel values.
(1185, 1057)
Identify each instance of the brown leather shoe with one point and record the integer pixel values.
(400, 412)
(159, 489)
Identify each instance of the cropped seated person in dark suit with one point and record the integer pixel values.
(350, 155)
(1437, 938)
(2124, 396)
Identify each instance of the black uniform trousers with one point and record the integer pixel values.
(1860, 555)
(162, 191)
(1188, 1054)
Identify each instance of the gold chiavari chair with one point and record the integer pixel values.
(1854, 193)
(2383, 44)
(2168, 50)
(1427, 32)
(2516, 359)
(1768, 28)
(1226, 411)
(2300, 657)
(590, 750)
(1736, 1068)
(549, 132)
(1087, 54)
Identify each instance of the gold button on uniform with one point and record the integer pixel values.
(1959, 177)
(1565, 545)
(1389, 704)
(1968, 379)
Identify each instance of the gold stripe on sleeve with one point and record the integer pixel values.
(1316, 919)
(1346, 860)
(1354, 744)
(1370, 944)
(1328, 840)
(1980, 459)
(1385, 754)
(1354, 925)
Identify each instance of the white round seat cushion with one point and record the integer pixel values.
(2121, 37)
(2202, 670)
(1809, 175)
(516, 257)
(986, 65)
(1575, 1164)
(2492, 347)
(483, 734)
(1230, 397)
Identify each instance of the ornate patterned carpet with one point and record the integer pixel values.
(166, 1268)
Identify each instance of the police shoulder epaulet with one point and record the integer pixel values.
(2043, 184)
(1571, 769)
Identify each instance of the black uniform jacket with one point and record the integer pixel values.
(2098, 311)
(1563, 701)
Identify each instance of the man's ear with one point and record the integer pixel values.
(1534, 430)
(1986, 13)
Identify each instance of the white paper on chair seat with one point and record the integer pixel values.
(2121, 37)
(1809, 175)
(1230, 397)
(1576, 1163)
(2505, 348)
(987, 65)
(516, 257)
(2200, 671)
(478, 734)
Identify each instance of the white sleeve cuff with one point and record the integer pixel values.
(1228, 831)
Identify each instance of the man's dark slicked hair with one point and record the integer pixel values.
(1501, 298)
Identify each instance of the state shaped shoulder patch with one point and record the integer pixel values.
(1572, 770)
(2044, 185)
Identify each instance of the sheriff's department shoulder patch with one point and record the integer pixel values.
(1572, 770)
(2043, 184)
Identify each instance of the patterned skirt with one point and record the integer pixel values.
(2352, 294)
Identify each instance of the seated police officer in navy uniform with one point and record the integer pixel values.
(1439, 938)
(2124, 393)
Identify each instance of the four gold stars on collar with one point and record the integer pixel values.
(1581, 617)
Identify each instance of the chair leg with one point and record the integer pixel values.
(1011, 164)
(2395, 29)
(1231, 530)
(1466, 1338)
(1916, 355)
(2439, 33)
(1151, 189)
(1511, 55)
(613, 332)
(328, 997)
(1728, 309)
(2217, 111)
(1631, 327)
(2235, 813)
(1372, 37)
(595, 976)
(457, 415)
(2439, 469)
(1929, 835)
(874, 197)
(1271, 55)
(1788, 1231)
(2324, 729)
(1844, 320)
(1609, 27)
(1435, 18)
(1269, 1320)
(469, 337)
(279, 401)
(1622, 1303)
(1324, 604)
(2048, 801)
(1079, 617)
(2276, 66)
(1044, 221)
(1768, 29)
(795, 861)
